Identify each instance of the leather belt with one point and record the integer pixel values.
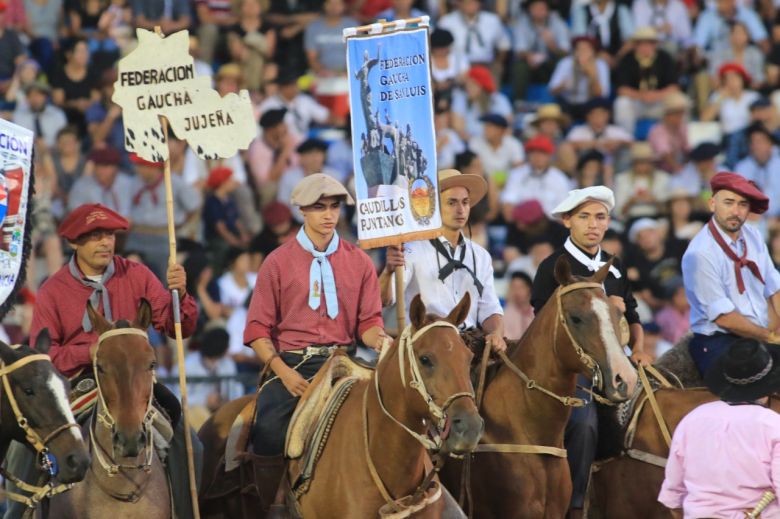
(317, 350)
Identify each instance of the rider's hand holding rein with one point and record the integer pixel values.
(291, 379)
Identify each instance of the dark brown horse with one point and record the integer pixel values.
(126, 478)
(36, 412)
(527, 403)
(384, 421)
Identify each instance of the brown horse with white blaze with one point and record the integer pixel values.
(126, 478)
(520, 470)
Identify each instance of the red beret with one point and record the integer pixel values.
(735, 67)
(218, 176)
(483, 77)
(738, 184)
(90, 217)
(540, 143)
(528, 212)
(135, 159)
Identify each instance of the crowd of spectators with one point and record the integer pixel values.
(648, 97)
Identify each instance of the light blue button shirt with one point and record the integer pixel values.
(712, 31)
(766, 177)
(711, 284)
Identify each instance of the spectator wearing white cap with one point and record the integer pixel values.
(641, 190)
(585, 212)
(652, 260)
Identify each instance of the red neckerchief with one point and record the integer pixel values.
(739, 262)
(148, 188)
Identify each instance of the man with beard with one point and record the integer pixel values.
(728, 273)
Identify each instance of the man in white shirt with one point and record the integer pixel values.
(498, 150)
(479, 35)
(444, 269)
(302, 109)
(537, 179)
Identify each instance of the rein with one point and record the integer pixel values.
(103, 417)
(33, 438)
(428, 491)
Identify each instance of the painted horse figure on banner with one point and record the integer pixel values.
(374, 458)
(520, 470)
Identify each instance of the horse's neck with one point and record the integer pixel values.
(9, 427)
(535, 414)
(397, 456)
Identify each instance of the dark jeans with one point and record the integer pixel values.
(704, 349)
(580, 440)
(275, 407)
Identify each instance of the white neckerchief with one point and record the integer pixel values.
(601, 20)
(593, 264)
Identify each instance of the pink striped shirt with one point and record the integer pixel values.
(722, 459)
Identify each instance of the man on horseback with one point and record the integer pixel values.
(724, 459)
(585, 212)
(313, 294)
(728, 273)
(443, 269)
(114, 286)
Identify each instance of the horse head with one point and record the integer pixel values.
(590, 323)
(42, 411)
(441, 359)
(124, 364)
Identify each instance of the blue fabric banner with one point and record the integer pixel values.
(393, 140)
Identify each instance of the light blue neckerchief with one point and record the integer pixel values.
(321, 274)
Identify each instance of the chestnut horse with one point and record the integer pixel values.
(34, 411)
(520, 470)
(378, 444)
(126, 478)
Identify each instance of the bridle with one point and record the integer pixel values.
(104, 418)
(47, 461)
(585, 358)
(428, 491)
(436, 412)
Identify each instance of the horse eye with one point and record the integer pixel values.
(426, 361)
(29, 391)
(152, 366)
(576, 319)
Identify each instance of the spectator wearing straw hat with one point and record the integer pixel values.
(536, 179)
(669, 136)
(641, 190)
(762, 165)
(541, 38)
(669, 18)
(580, 77)
(642, 79)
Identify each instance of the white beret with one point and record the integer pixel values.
(577, 197)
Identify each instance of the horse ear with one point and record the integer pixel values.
(460, 312)
(43, 341)
(601, 274)
(417, 312)
(7, 354)
(99, 323)
(562, 271)
(144, 316)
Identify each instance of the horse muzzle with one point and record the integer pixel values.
(129, 445)
(620, 385)
(465, 428)
(73, 467)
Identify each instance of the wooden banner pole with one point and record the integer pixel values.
(400, 302)
(177, 329)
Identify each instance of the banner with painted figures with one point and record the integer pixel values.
(393, 142)
(16, 150)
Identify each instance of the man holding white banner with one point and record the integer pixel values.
(442, 269)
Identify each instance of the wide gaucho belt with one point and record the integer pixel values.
(319, 350)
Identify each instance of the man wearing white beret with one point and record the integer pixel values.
(585, 212)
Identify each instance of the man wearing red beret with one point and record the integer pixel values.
(114, 286)
(729, 277)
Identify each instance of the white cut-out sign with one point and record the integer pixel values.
(158, 78)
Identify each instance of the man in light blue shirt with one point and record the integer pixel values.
(762, 165)
(729, 277)
(712, 28)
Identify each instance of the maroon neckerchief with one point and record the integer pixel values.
(739, 262)
(148, 188)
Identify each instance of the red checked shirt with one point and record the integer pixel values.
(280, 310)
(62, 301)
